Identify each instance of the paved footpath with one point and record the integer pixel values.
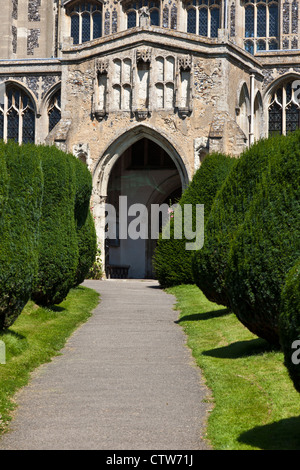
(125, 381)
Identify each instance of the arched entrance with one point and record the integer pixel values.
(143, 168)
(146, 175)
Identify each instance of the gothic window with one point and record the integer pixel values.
(54, 110)
(249, 46)
(203, 22)
(261, 24)
(203, 17)
(284, 110)
(17, 116)
(86, 21)
(249, 21)
(132, 8)
(191, 21)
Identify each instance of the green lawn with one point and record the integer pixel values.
(254, 404)
(37, 336)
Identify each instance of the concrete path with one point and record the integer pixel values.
(125, 381)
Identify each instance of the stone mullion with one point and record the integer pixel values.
(5, 110)
(284, 110)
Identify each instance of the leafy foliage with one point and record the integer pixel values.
(21, 191)
(58, 247)
(172, 262)
(267, 243)
(289, 323)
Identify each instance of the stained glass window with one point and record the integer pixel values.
(13, 125)
(54, 111)
(28, 126)
(191, 21)
(131, 19)
(292, 118)
(261, 45)
(205, 18)
(97, 25)
(273, 20)
(154, 17)
(261, 21)
(17, 116)
(203, 22)
(275, 119)
(249, 21)
(86, 27)
(214, 22)
(284, 111)
(86, 22)
(166, 17)
(174, 17)
(249, 46)
(75, 29)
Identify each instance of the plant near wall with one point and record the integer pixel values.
(21, 192)
(289, 323)
(172, 262)
(227, 214)
(85, 228)
(58, 245)
(267, 243)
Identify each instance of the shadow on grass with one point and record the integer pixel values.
(13, 334)
(204, 316)
(240, 349)
(55, 308)
(281, 435)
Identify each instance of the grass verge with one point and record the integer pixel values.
(37, 336)
(254, 403)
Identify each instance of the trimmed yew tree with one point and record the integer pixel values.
(228, 212)
(85, 227)
(21, 190)
(58, 247)
(267, 243)
(289, 324)
(172, 262)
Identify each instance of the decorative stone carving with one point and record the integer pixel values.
(141, 114)
(102, 65)
(143, 55)
(201, 147)
(144, 15)
(185, 62)
(82, 152)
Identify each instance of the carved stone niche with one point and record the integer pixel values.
(141, 114)
(101, 66)
(101, 71)
(143, 55)
(144, 15)
(185, 62)
(185, 66)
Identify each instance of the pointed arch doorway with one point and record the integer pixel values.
(145, 174)
(130, 160)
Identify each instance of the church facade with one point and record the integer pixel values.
(142, 90)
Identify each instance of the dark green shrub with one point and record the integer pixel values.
(172, 262)
(58, 248)
(267, 243)
(85, 228)
(21, 183)
(289, 324)
(227, 213)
